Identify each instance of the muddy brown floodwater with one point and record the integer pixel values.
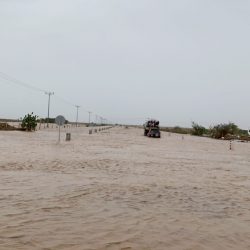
(120, 190)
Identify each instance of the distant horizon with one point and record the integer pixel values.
(128, 124)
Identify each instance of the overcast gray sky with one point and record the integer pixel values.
(177, 61)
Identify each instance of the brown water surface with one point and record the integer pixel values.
(120, 190)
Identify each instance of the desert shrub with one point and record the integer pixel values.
(176, 129)
(29, 122)
(198, 129)
(243, 132)
(224, 130)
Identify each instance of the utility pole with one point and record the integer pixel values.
(89, 116)
(77, 108)
(49, 94)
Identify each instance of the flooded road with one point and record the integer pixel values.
(120, 190)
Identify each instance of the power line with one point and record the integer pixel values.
(13, 80)
(64, 100)
(29, 86)
(20, 83)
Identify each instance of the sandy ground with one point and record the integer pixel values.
(120, 190)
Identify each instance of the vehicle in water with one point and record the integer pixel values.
(152, 129)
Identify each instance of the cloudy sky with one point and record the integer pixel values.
(126, 60)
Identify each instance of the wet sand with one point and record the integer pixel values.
(120, 190)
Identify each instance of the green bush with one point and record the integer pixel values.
(198, 129)
(29, 122)
(224, 130)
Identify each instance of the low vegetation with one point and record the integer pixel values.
(29, 122)
(198, 129)
(227, 131)
(49, 120)
(177, 130)
(219, 131)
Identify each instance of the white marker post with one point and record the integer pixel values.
(60, 120)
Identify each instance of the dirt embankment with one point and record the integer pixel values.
(4, 126)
